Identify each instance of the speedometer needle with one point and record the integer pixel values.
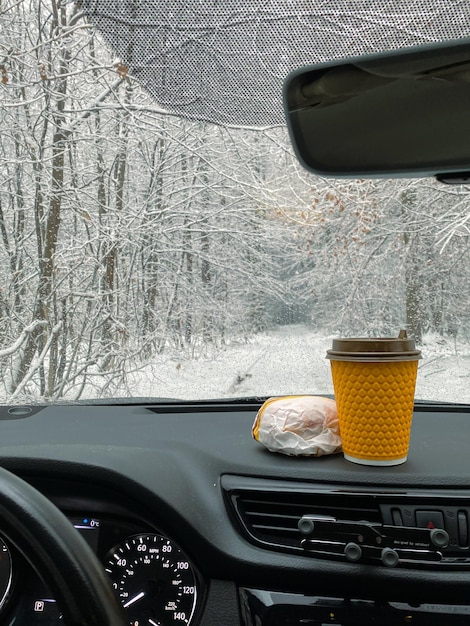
(134, 599)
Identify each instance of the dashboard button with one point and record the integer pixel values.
(429, 519)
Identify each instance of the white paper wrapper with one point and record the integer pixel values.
(298, 425)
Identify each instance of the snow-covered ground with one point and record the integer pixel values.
(290, 360)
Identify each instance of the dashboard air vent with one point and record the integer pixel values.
(271, 517)
(388, 527)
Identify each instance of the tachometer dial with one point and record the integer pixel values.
(153, 580)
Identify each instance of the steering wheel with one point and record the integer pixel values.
(59, 554)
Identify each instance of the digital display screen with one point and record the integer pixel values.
(41, 605)
(89, 528)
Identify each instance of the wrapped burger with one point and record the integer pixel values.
(298, 425)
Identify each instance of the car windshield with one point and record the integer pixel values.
(158, 237)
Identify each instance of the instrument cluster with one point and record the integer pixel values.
(152, 577)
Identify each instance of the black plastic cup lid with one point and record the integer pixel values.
(374, 349)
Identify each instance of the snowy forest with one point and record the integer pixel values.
(126, 233)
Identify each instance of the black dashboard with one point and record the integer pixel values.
(180, 504)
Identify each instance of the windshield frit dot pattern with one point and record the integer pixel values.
(225, 62)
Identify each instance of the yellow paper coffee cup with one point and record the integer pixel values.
(374, 381)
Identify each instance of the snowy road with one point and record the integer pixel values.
(289, 360)
(292, 360)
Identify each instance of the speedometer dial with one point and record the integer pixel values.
(153, 580)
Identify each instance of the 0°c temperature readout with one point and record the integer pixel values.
(153, 579)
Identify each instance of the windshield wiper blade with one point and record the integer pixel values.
(173, 404)
(140, 401)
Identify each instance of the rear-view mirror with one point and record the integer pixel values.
(404, 113)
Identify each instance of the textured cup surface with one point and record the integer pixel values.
(374, 388)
